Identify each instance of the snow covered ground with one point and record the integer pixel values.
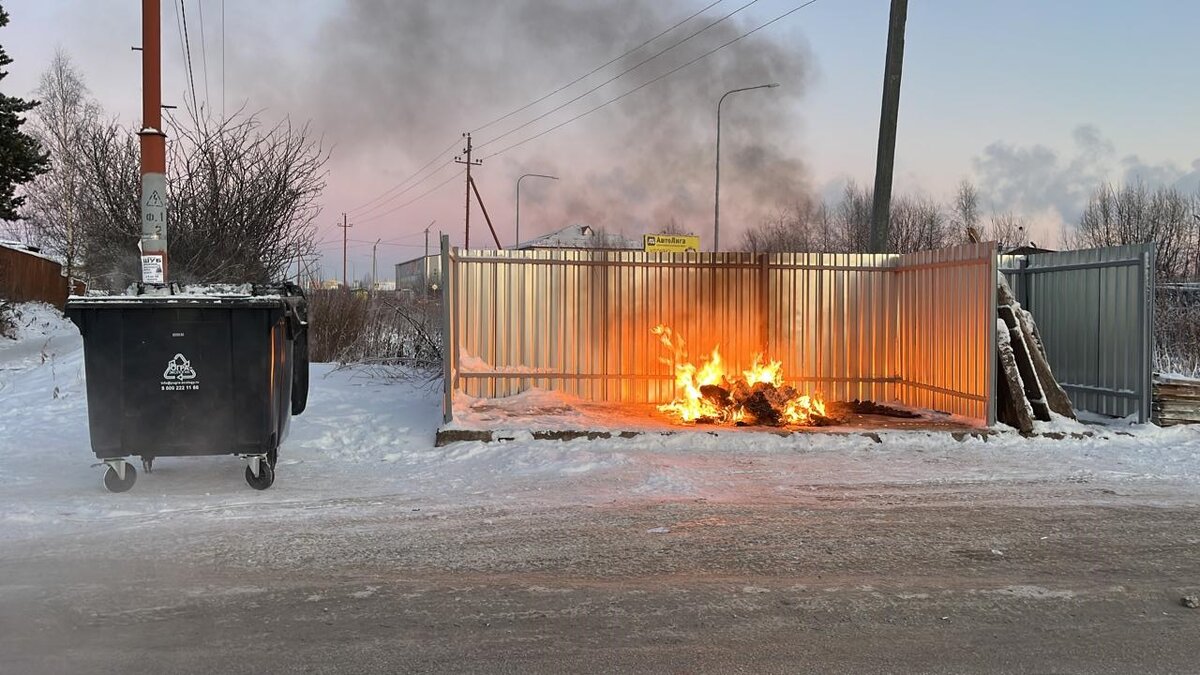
(362, 438)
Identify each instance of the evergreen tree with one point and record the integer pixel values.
(21, 157)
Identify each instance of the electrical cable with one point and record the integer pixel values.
(597, 68)
(418, 197)
(188, 43)
(401, 183)
(656, 79)
(203, 50)
(614, 77)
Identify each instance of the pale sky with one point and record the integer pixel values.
(1035, 101)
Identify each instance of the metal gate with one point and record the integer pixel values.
(1095, 311)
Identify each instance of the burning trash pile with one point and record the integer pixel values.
(708, 395)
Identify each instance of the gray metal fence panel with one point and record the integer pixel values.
(1094, 311)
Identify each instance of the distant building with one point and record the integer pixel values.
(581, 236)
(331, 284)
(1028, 249)
(414, 274)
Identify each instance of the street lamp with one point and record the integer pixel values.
(717, 190)
(517, 235)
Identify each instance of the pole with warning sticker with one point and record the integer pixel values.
(154, 150)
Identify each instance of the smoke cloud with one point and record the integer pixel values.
(398, 81)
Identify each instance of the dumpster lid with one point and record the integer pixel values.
(144, 294)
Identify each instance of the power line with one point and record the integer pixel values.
(597, 68)
(203, 49)
(188, 44)
(660, 77)
(397, 186)
(414, 175)
(222, 59)
(182, 49)
(411, 187)
(617, 76)
(417, 198)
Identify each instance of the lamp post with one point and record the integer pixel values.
(517, 234)
(425, 260)
(717, 189)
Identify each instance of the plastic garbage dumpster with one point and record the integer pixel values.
(197, 370)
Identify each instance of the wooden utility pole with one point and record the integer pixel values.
(345, 234)
(153, 150)
(469, 163)
(886, 158)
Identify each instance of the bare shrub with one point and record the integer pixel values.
(391, 330)
(336, 318)
(7, 322)
(1177, 329)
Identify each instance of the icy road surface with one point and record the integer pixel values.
(376, 552)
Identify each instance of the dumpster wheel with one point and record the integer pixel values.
(266, 473)
(119, 476)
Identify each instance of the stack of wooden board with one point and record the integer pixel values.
(1175, 401)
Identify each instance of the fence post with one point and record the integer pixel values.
(1146, 283)
(449, 346)
(764, 304)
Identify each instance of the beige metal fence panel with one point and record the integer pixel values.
(582, 321)
(830, 323)
(947, 323)
(847, 326)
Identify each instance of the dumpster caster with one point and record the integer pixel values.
(259, 473)
(148, 464)
(119, 476)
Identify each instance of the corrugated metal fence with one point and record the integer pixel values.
(917, 328)
(28, 277)
(1095, 312)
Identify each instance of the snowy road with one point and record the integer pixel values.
(376, 552)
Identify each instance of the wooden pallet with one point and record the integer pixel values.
(1175, 401)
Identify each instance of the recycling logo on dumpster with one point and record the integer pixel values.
(179, 375)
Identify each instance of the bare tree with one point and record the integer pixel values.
(853, 218)
(61, 123)
(1008, 230)
(804, 226)
(965, 212)
(243, 196)
(1132, 214)
(918, 224)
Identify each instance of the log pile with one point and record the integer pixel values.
(1175, 401)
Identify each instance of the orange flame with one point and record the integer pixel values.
(691, 404)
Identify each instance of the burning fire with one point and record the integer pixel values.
(707, 395)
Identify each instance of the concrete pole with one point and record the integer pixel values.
(886, 158)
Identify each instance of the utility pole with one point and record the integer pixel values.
(886, 158)
(469, 163)
(345, 234)
(374, 283)
(425, 260)
(153, 144)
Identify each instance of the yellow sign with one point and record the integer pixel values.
(671, 243)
